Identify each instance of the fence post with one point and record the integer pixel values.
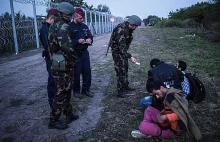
(109, 23)
(35, 23)
(13, 25)
(96, 31)
(106, 27)
(100, 23)
(103, 23)
(112, 20)
(86, 21)
(91, 26)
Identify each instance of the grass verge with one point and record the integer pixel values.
(121, 116)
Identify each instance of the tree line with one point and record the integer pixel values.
(84, 5)
(203, 15)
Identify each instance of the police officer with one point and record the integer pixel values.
(63, 59)
(51, 88)
(82, 38)
(119, 42)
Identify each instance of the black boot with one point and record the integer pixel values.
(70, 118)
(57, 125)
(129, 89)
(123, 94)
(87, 93)
(78, 95)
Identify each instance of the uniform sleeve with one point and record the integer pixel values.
(122, 43)
(75, 38)
(43, 37)
(75, 41)
(64, 38)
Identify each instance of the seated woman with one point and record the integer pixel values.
(174, 119)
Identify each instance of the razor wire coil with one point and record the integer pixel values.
(37, 2)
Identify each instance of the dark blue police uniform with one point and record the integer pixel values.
(82, 66)
(51, 88)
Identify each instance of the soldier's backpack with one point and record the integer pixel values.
(197, 89)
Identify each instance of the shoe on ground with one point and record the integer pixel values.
(57, 125)
(78, 95)
(123, 95)
(71, 118)
(87, 93)
(129, 89)
(138, 134)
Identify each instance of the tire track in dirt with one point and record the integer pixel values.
(24, 109)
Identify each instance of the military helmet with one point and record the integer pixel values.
(65, 8)
(134, 20)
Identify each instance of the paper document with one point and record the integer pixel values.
(137, 63)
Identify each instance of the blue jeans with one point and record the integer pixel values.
(51, 88)
(82, 66)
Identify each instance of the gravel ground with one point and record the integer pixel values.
(24, 109)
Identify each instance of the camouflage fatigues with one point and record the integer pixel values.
(120, 41)
(59, 39)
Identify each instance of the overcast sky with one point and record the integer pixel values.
(143, 8)
(122, 8)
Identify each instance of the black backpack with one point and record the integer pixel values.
(197, 89)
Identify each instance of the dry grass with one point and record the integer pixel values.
(121, 116)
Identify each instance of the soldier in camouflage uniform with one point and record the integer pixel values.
(60, 42)
(119, 42)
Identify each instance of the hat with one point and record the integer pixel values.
(53, 12)
(80, 12)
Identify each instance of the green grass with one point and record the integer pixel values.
(121, 116)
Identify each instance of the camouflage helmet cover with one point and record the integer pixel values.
(65, 8)
(134, 20)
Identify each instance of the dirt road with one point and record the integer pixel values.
(24, 109)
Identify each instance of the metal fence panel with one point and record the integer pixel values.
(26, 28)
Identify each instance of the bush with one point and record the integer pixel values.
(212, 33)
(190, 23)
(171, 23)
(212, 36)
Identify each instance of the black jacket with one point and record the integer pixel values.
(166, 73)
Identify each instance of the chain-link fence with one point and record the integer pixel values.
(26, 28)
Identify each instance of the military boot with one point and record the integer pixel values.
(70, 118)
(57, 125)
(123, 95)
(87, 93)
(78, 95)
(129, 89)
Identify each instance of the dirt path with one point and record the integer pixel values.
(24, 110)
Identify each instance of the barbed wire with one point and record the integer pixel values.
(25, 34)
(37, 2)
(46, 3)
(53, 5)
